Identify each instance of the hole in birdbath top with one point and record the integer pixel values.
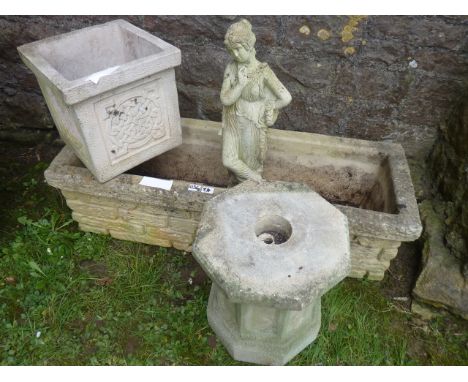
(273, 229)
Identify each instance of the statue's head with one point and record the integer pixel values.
(240, 40)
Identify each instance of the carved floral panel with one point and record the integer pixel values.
(132, 121)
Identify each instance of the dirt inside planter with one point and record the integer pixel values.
(344, 184)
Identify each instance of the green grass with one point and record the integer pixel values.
(356, 329)
(100, 301)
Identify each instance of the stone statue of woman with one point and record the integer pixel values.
(251, 96)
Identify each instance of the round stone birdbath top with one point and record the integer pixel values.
(276, 244)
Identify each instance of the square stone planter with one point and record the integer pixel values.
(368, 181)
(111, 91)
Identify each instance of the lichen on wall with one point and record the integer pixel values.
(351, 27)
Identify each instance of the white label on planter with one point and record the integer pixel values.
(95, 77)
(202, 189)
(156, 183)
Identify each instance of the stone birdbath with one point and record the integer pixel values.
(272, 249)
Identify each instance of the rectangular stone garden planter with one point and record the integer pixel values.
(112, 94)
(368, 181)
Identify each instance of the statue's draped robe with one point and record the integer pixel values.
(244, 126)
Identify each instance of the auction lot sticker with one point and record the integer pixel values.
(199, 188)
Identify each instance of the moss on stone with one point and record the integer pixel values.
(449, 169)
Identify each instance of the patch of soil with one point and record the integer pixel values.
(202, 164)
(131, 345)
(399, 279)
(417, 350)
(95, 269)
(98, 271)
(194, 276)
(76, 325)
(17, 165)
(193, 273)
(89, 349)
(27, 155)
(192, 163)
(14, 311)
(339, 185)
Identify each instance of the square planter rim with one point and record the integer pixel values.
(78, 90)
(402, 226)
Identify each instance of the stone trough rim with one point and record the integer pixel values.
(403, 226)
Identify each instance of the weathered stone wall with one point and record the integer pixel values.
(449, 170)
(376, 77)
(444, 273)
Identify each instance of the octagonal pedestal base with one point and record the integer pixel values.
(262, 335)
